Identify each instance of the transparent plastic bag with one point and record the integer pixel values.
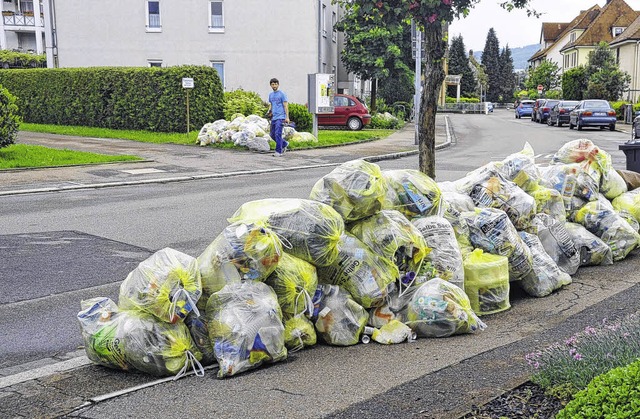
(457, 200)
(362, 272)
(411, 192)
(571, 180)
(294, 281)
(546, 276)
(491, 230)
(311, 230)
(498, 192)
(245, 326)
(612, 184)
(258, 144)
(629, 202)
(340, 321)
(582, 151)
(393, 332)
(242, 251)
(391, 234)
(486, 282)
(556, 242)
(299, 333)
(355, 189)
(135, 340)
(549, 201)
(166, 285)
(440, 309)
(520, 168)
(614, 230)
(199, 330)
(593, 251)
(445, 255)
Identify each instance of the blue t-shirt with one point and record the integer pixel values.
(277, 100)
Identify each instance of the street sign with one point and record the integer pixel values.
(187, 83)
(540, 89)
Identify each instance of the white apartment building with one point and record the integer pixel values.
(22, 27)
(247, 41)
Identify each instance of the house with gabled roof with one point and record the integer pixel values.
(626, 48)
(549, 36)
(614, 18)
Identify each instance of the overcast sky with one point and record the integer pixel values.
(515, 28)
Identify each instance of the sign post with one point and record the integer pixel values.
(321, 91)
(187, 84)
(540, 89)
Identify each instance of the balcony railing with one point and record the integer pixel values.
(22, 20)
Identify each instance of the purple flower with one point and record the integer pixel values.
(577, 357)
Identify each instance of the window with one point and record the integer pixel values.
(572, 37)
(154, 63)
(334, 33)
(26, 6)
(216, 18)
(323, 22)
(219, 66)
(153, 16)
(617, 31)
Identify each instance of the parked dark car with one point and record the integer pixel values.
(536, 105)
(593, 113)
(559, 114)
(543, 110)
(524, 108)
(348, 111)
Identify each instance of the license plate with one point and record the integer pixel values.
(600, 114)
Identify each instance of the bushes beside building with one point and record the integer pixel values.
(117, 97)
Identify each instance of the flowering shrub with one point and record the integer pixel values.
(570, 365)
(384, 121)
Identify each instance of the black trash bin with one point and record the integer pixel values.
(632, 152)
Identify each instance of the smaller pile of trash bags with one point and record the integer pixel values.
(388, 256)
(250, 131)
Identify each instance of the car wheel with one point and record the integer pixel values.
(612, 127)
(559, 123)
(354, 124)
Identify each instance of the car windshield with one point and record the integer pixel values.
(570, 104)
(551, 103)
(596, 104)
(527, 105)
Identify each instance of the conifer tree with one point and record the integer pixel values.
(491, 62)
(507, 76)
(459, 65)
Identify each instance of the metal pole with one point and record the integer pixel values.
(187, 111)
(416, 97)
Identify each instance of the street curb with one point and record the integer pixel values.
(371, 159)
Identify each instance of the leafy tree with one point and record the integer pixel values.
(546, 74)
(371, 50)
(507, 75)
(398, 88)
(605, 79)
(491, 62)
(9, 118)
(431, 16)
(459, 65)
(574, 83)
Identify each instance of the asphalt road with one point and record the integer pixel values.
(57, 249)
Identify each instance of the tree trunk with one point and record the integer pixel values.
(433, 78)
(374, 95)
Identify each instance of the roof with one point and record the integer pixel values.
(632, 33)
(614, 13)
(551, 30)
(579, 22)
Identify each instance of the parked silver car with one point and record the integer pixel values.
(593, 113)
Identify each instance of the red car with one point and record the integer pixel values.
(348, 111)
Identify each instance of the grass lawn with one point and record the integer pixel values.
(23, 155)
(326, 137)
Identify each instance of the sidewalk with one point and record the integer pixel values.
(175, 163)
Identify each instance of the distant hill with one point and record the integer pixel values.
(520, 56)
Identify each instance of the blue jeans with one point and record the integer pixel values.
(276, 134)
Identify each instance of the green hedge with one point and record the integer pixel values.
(21, 59)
(244, 102)
(136, 98)
(9, 119)
(301, 116)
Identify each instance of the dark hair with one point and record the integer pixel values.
(274, 80)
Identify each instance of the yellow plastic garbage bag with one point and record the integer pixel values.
(364, 273)
(294, 281)
(299, 333)
(130, 340)
(310, 230)
(392, 333)
(629, 202)
(411, 192)
(340, 321)
(546, 276)
(166, 285)
(356, 189)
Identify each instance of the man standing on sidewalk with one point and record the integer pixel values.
(279, 111)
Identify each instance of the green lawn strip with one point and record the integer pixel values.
(329, 137)
(24, 155)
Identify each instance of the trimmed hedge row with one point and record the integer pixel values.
(136, 98)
